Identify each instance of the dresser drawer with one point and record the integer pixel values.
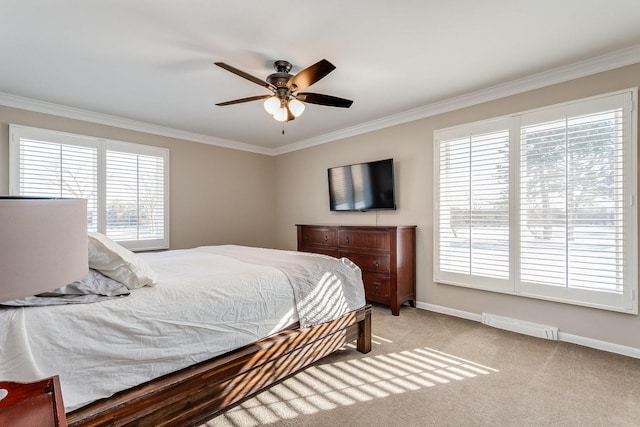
(364, 239)
(374, 263)
(377, 287)
(386, 255)
(319, 249)
(319, 236)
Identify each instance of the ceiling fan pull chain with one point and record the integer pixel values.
(283, 127)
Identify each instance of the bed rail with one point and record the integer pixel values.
(194, 394)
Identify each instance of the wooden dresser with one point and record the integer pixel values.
(385, 254)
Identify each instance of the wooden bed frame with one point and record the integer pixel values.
(195, 394)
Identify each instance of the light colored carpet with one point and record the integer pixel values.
(428, 369)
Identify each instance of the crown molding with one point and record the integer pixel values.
(609, 61)
(35, 105)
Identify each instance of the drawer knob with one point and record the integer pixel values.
(347, 239)
(326, 238)
(376, 285)
(376, 263)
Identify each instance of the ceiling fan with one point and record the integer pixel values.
(285, 102)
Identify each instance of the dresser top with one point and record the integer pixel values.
(372, 227)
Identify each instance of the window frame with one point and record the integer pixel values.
(486, 283)
(627, 301)
(102, 145)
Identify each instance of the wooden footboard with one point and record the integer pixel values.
(195, 394)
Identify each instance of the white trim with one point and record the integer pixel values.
(449, 311)
(606, 62)
(600, 345)
(562, 336)
(30, 104)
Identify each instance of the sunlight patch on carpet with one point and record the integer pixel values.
(323, 387)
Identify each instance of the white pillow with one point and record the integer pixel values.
(119, 263)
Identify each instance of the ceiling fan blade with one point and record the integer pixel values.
(249, 99)
(247, 76)
(320, 99)
(290, 115)
(310, 75)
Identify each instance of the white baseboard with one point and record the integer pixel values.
(600, 345)
(561, 336)
(450, 311)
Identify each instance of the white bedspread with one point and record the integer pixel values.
(207, 302)
(323, 289)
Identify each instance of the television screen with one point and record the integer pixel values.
(362, 186)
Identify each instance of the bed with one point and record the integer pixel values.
(220, 324)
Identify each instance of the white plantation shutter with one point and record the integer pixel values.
(134, 195)
(568, 204)
(455, 202)
(573, 230)
(52, 169)
(490, 205)
(473, 207)
(125, 184)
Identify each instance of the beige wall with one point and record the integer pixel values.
(301, 183)
(217, 195)
(223, 196)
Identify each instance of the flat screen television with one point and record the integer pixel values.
(362, 186)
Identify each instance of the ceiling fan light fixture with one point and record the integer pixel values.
(271, 105)
(283, 103)
(281, 115)
(296, 107)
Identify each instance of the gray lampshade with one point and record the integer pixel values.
(43, 245)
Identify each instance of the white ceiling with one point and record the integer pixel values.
(149, 63)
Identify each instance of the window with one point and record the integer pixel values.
(542, 204)
(126, 185)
